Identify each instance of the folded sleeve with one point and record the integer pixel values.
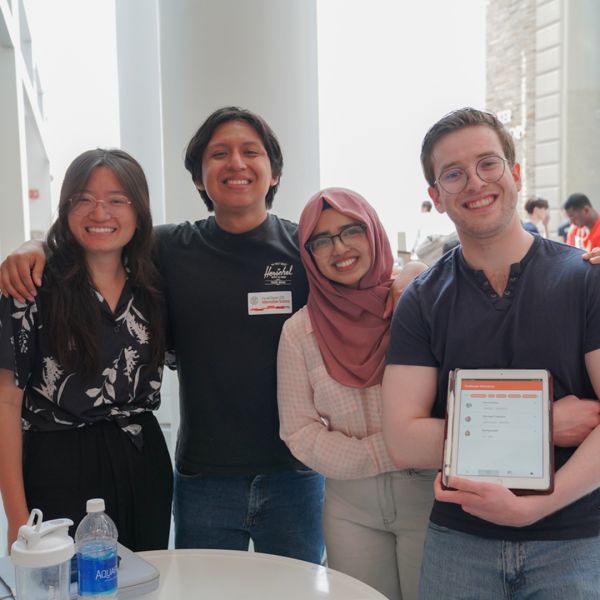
(18, 337)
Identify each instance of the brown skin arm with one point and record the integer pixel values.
(21, 271)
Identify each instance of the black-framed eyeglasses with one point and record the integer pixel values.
(489, 169)
(83, 204)
(323, 245)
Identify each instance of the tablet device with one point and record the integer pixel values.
(499, 428)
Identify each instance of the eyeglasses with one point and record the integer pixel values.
(83, 204)
(489, 169)
(322, 245)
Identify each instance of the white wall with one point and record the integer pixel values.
(140, 109)
(13, 158)
(74, 42)
(582, 99)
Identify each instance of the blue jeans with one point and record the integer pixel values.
(281, 512)
(458, 566)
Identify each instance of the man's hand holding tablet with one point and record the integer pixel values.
(499, 429)
(493, 502)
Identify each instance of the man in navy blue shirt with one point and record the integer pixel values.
(498, 301)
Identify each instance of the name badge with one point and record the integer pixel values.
(270, 303)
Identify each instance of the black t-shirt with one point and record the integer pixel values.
(228, 296)
(547, 318)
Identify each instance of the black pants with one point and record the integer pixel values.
(63, 469)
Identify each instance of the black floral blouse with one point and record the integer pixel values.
(58, 399)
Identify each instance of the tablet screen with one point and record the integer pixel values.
(500, 428)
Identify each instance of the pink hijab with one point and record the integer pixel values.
(348, 324)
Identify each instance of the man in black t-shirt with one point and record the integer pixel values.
(231, 282)
(497, 302)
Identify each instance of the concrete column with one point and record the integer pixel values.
(582, 99)
(140, 113)
(567, 100)
(550, 119)
(14, 223)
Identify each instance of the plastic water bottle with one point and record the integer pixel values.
(96, 546)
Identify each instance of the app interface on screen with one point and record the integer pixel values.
(500, 428)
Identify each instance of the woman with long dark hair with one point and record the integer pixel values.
(81, 366)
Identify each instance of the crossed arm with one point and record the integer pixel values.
(334, 452)
(21, 271)
(413, 436)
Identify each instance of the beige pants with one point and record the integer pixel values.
(375, 529)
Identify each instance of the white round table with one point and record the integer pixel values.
(233, 575)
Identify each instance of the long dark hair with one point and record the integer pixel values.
(71, 318)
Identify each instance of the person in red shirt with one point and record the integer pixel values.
(585, 222)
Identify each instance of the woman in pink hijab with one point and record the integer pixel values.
(330, 364)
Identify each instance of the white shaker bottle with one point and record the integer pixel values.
(42, 558)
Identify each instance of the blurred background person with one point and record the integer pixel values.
(585, 225)
(538, 216)
(435, 234)
(563, 227)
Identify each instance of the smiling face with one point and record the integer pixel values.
(97, 231)
(482, 210)
(236, 171)
(346, 264)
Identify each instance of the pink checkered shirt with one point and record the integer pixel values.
(332, 428)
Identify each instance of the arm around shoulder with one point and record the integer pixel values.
(21, 271)
(401, 279)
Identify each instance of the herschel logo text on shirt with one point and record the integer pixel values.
(278, 273)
